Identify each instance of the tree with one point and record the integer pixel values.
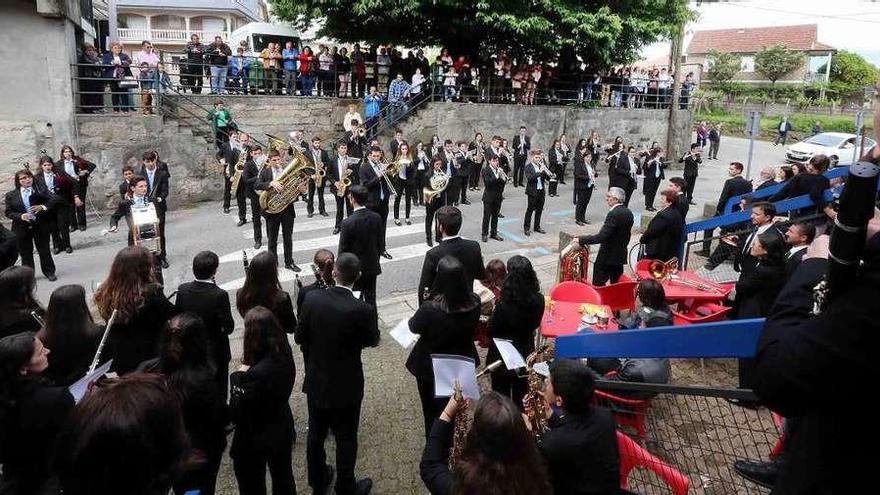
(600, 34)
(722, 67)
(850, 73)
(777, 61)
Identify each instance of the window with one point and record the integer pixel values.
(747, 64)
(132, 21)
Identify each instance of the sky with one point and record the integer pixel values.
(844, 24)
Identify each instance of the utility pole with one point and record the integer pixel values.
(112, 26)
(675, 66)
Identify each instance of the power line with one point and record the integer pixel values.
(804, 14)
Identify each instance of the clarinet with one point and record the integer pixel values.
(244, 260)
(101, 345)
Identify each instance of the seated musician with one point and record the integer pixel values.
(652, 299)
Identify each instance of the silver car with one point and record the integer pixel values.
(838, 146)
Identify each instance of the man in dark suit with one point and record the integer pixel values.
(736, 185)
(782, 131)
(80, 169)
(450, 160)
(679, 185)
(268, 178)
(494, 180)
(248, 179)
(654, 175)
(396, 142)
(342, 166)
(30, 212)
(372, 177)
(612, 239)
(761, 219)
(521, 146)
(555, 158)
(137, 196)
(360, 235)
(211, 303)
(64, 192)
(466, 251)
(8, 248)
(662, 238)
(228, 154)
(461, 173)
(584, 183)
(537, 179)
(125, 185)
(320, 160)
(692, 161)
(438, 201)
(623, 175)
(334, 327)
(798, 237)
(157, 191)
(355, 142)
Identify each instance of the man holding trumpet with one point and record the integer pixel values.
(537, 176)
(372, 176)
(494, 180)
(692, 161)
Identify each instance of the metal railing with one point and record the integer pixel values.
(167, 35)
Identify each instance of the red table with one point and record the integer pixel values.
(677, 291)
(566, 318)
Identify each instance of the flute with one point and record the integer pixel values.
(101, 345)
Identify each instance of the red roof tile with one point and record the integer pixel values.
(752, 40)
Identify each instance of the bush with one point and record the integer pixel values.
(801, 123)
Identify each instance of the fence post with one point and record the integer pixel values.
(157, 84)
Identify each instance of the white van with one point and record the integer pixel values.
(259, 34)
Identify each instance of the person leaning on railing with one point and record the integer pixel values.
(91, 90)
(117, 66)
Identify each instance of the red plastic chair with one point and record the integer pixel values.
(626, 412)
(632, 455)
(780, 444)
(642, 265)
(571, 291)
(623, 278)
(618, 296)
(701, 313)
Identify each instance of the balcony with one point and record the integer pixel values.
(167, 36)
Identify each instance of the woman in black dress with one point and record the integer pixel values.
(71, 333)
(17, 301)
(262, 288)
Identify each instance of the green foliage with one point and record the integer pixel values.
(602, 34)
(850, 73)
(776, 62)
(722, 67)
(802, 123)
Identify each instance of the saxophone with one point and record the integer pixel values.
(461, 426)
(295, 181)
(534, 402)
(239, 169)
(344, 183)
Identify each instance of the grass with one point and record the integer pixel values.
(802, 123)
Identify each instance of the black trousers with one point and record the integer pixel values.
(344, 424)
(61, 225)
(431, 406)
(628, 190)
(491, 208)
(452, 193)
(161, 209)
(194, 79)
(227, 191)
(343, 207)
(551, 187)
(241, 202)
(419, 185)
(250, 469)
(310, 206)
(408, 193)
(650, 189)
(519, 168)
(582, 199)
(202, 478)
(462, 183)
(382, 209)
(283, 220)
(561, 172)
(691, 181)
(476, 168)
(535, 205)
(35, 236)
(256, 215)
(603, 274)
(366, 284)
(78, 213)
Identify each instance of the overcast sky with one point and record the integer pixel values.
(844, 24)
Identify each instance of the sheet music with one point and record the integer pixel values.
(402, 334)
(511, 357)
(447, 369)
(80, 387)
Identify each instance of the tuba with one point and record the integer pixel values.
(295, 181)
(276, 143)
(239, 169)
(436, 185)
(573, 264)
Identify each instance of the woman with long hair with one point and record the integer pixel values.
(260, 394)
(70, 331)
(489, 291)
(423, 163)
(445, 325)
(32, 220)
(515, 317)
(406, 183)
(141, 305)
(323, 262)
(32, 413)
(499, 454)
(18, 302)
(262, 288)
(79, 169)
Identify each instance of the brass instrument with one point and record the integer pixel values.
(344, 183)
(461, 426)
(391, 170)
(668, 271)
(437, 184)
(276, 143)
(547, 171)
(320, 173)
(361, 131)
(479, 157)
(239, 169)
(295, 181)
(573, 264)
(534, 402)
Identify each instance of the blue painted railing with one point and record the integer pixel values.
(770, 191)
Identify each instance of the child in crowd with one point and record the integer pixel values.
(145, 76)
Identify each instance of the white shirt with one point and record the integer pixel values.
(632, 167)
(417, 81)
(349, 116)
(208, 281)
(276, 172)
(139, 200)
(761, 229)
(341, 163)
(49, 177)
(450, 238)
(151, 174)
(795, 250)
(26, 200)
(540, 184)
(69, 168)
(782, 126)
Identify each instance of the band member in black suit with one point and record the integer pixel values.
(494, 180)
(692, 161)
(406, 183)
(323, 262)
(761, 219)
(438, 201)
(623, 174)
(736, 185)
(556, 157)
(334, 327)
(211, 303)
(249, 177)
(537, 177)
(157, 191)
(125, 185)
(584, 184)
(268, 178)
(798, 237)
(521, 146)
(396, 142)
(612, 239)
(30, 212)
(679, 185)
(461, 174)
(355, 140)
(343, 166)
(566, 157)
(449, 162)
(451, 244)
(361, 236)
(320, 160)
(137, 196)
(477, 151)
(594, 148)
(613, 152)
(8, 248)
(228, 155)
(295, 138)
(662, 238)
(80, 169)
(64, 192)
(372, 177)
(653, 170)
(241, 193)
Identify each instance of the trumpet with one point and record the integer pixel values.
(361, 131)
(547, 171)
(344, 183)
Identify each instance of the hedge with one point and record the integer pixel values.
(801, 123)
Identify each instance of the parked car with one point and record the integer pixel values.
(838, 146)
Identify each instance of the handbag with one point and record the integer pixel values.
(128, 82)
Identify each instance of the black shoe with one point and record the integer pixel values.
(226, 210)
(455, 204)
(650, 208)
(540, 230)
(485, 238)
(761, 473)
(164, 263)
(56, 251)
(516, 185)
(500, 215)
(292, 266)
(692, 203)
(325, 214)
(240, 223)
(51, 277)
(465, 202)
(82, 228)
(562, 182)
(497, 237)
(335, 230)
(397, 222)
(258, 244)
(310, 215)
(429, 241)
(408, 222)
(68, 250)
(363, 487)
(579, 223)
(73, 228)
(386, 255)
(526, 232)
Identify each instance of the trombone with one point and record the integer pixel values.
(668, 271)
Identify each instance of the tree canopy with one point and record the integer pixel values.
(850, 73)
(601, 33)
(722, 66)
(777, 61)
